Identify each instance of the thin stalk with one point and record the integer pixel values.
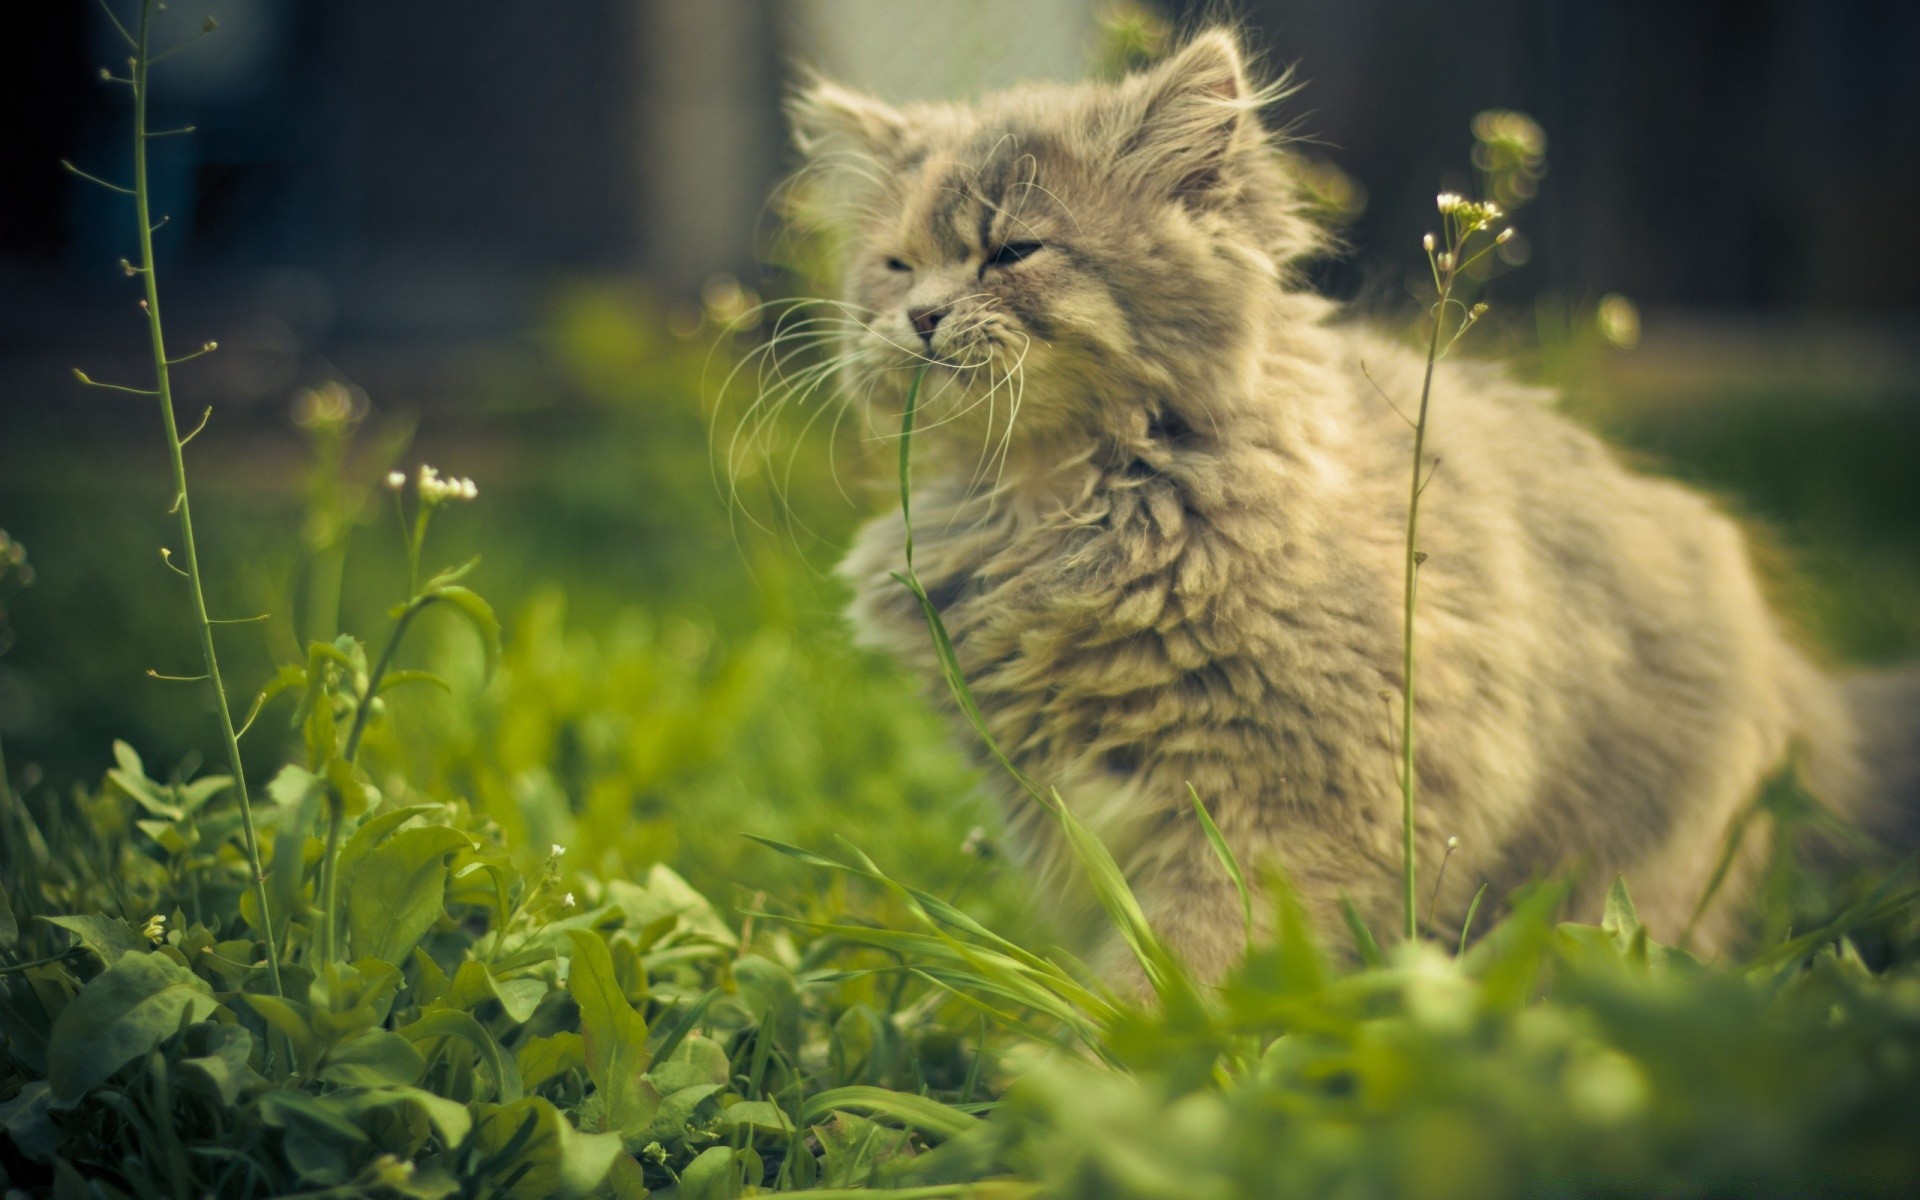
(1408, 884)
(163, 383)
(364, 708)
(330, 879)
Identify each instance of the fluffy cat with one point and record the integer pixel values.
(1161, 510)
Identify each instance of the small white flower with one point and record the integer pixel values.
(1446, 261)
(155, 930)
(1449, 202)
(1428, 242)
(396, 480)
(567, 900)
(1506, 235)
(557, 849)
(1453, 843)
(435, 490)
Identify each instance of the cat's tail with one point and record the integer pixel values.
(1885, 707)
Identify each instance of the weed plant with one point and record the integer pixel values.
(416, 963)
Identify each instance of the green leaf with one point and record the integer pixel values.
(696, 1060)
(929, 1116)
(297, 792)
(450, 575)
(478, 614)
(552, 1157)
(9, 924)
(122, 1013)
(616, 1035)
(446, 1023)
(856, 1148)
(394, 679)
(109, 937)
(25, 1120)
(715, 1175)
(1363, 940)
(1225, 854)
(289, 1019)
(352, 785)
(225, 1071)
(473, 985)
(130, 776)
(542, 1058)
(399, 890)
(450, 1119)
(756, 1116)
(1619, 918)
(377, 1058)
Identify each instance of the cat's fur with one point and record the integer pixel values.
(1162, 512)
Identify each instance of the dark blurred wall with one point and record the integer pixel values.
(405, 166)
(1748, 154)
(398, 173)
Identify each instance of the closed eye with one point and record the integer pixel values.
(895, 264)
(1008, 253)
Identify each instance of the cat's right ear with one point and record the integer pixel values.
(828, 118)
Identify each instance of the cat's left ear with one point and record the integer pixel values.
(1190, 119)
(829, 118)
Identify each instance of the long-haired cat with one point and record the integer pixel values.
(1161, 510)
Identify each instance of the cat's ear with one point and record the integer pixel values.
(829, 118)
(1191, 118)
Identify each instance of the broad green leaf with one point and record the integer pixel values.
(297, 792)
(616, 1035)
(225, 1071)
(479, 614)
(552, 1159)
(346, 999)
(109, 937)
(676, 1112)
(927, 1115)
(25, 1120)
(447, 1023)
(289, 1019)
(394, 679)
(450, 1119)
(696, 1060)
(756, 1116)
(377, 1058)
(375, 829)
(856, 1148)
(714, 1175)
(473, 985)
(664, 894)
(542, 1058)
(352, 785)
(120, 1014)
(399, 890)
(130, 776)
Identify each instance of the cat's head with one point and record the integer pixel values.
(1064, 260)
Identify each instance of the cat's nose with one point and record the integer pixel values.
(926, 320)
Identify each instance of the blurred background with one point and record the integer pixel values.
(509, 239)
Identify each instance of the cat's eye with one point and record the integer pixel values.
(1008, 253)
(898, 264)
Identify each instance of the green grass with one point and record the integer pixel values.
(671, 892)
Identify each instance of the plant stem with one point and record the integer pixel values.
(364, 709)
(1408, 886)
(163, 384)
(330, 879)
